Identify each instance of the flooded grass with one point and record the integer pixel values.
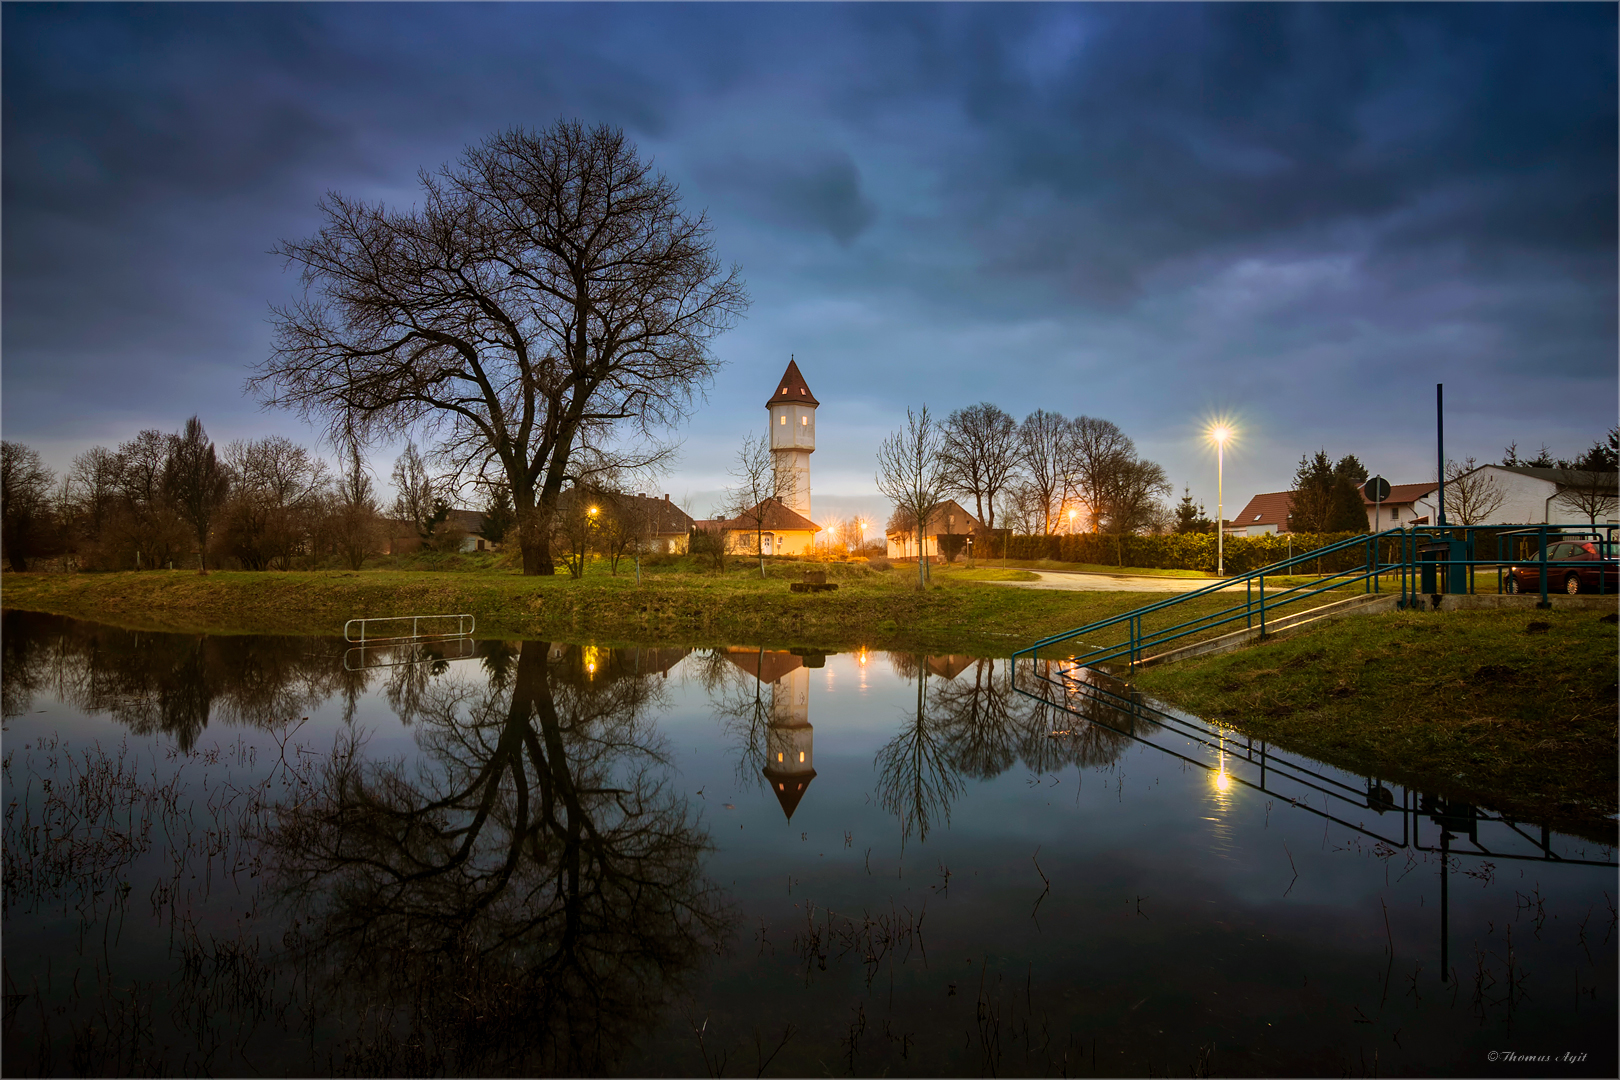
(553, 860)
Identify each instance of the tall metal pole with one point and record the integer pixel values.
(1440, 447)
(1220, 509)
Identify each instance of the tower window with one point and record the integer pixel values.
(782, 420)
(779, 755)
(804, 421)
(801, 756)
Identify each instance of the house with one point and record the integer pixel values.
(463, 525)
(657, 526)
(1408, 504)
(1265, 514)
(1532, 496)
(947, 519)
(770, 528)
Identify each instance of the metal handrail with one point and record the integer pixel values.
(1405, 562)
(1134, 617)
(465, 625)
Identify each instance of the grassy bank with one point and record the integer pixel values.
(675, 604)
(1508, 710)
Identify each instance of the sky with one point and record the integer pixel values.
(1297, 219)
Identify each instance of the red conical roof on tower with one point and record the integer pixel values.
(792, 388)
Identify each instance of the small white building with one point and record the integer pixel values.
(1532, 496)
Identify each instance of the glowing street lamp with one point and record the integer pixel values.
(1220, 433)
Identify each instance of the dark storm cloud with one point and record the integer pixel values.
(1168, 132)
(1046, 205)
(818, 192)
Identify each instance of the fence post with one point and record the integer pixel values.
(1262, 605)
(1541, 539)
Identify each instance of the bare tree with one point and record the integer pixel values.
(354, 510)
(548, 301)
(910, 474)
(94, 480)
(1023, 508)
(759, 486)
(419, 496)
(980, 455)
(25, 488)
(1472, 494)
(1099, 465)
(197, 482)
(1044, 453)
(1588, 492)
(147, 525)
(278, 486)
(1130, 502)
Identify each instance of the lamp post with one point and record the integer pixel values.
(1220, 502)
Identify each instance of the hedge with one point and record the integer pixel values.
(1182, 551)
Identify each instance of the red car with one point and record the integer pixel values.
(1583, 561)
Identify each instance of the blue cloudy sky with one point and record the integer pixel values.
(1301, 217)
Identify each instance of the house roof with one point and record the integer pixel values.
(777, 518)
(1268, 509)
(1403, 493)
(1577, 478)
(789, 788)
(792, 389)
(663, 517)
(948, 517)
(767, 665)
(1272, 508)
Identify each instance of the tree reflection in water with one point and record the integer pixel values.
(968, 722)
(170, 683)
(529, 895)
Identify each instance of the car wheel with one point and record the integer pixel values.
(1512, 585)
(1572, 584)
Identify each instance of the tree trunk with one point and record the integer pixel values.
(534, 538)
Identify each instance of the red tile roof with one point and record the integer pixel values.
(792, 389)
(1268, 509)
(777, 517)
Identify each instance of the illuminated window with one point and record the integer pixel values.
(781, 787)
(779, 755)
(804, 421)
(782, 420)
(801, 755)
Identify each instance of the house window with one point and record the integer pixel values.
(1394, 513)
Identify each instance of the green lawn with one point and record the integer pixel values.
(1513, 710)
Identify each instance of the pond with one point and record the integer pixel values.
(283, 856)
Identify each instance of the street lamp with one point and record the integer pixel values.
(1220, 433)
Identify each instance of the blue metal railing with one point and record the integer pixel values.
(1411, 556)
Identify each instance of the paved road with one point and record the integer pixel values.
(1107, 583)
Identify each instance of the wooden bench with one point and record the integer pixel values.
(814, 581)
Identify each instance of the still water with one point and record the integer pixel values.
(281, 856)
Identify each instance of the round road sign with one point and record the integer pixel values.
(1376, 489)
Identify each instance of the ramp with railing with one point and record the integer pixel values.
(1411, 564)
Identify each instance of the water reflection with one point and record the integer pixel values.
(170, 683)
(527, 895)
(968, 722)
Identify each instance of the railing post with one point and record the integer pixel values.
(1248, 604)
(1541, 539)
(1262, 605)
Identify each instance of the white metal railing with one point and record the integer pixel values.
(463, 626)
(407, 654)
